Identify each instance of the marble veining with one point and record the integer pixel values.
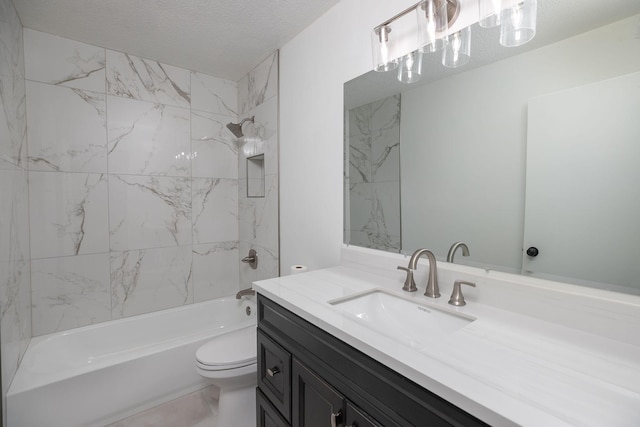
(259, 85)
(150, 279)
(215, 198)
(214, 95)
(146, 212)
(68, 292)
(15, 276)
(67, 129)
(64, 62)
(214, 151)
(12, 95)
(374, 175)
(143, 79)
(215, 270)
(147, 138)
(72, 222)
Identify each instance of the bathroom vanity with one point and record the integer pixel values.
(307, 377)
(522, 351)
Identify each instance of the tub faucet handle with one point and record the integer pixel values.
(251, 259)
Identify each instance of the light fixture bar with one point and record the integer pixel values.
(453, 9)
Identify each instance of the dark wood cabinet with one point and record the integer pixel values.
(309, 378)
(315, 402)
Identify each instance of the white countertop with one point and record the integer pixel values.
(539, 353)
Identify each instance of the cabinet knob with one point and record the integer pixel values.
(533, 251)
(335, 418)
(273, 371)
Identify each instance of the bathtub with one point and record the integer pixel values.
(98, 374)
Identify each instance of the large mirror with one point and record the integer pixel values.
(536, 147)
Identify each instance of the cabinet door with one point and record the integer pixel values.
(315, 403)
(356, 418)
(268, 416)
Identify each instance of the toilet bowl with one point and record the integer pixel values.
(229, 361)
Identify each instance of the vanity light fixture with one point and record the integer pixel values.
(382, 49)
(457, 52)
(437, 30)
(518, 23)
(410, 67)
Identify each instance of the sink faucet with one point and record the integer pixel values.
(454, 248)
(432, 284)
(245, 292)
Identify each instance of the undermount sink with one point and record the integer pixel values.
(406, 320)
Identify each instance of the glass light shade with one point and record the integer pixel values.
(457, 52)
(518, 23)
(382, 46)
(410, 67)
(489, 13)
(433, 24)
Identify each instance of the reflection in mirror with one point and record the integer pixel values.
(465, 156)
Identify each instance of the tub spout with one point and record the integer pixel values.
(245, 292)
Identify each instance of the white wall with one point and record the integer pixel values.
(313, 68)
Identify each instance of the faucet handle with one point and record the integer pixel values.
(409, 283)
(456, 296)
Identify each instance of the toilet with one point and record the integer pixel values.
(229, 361)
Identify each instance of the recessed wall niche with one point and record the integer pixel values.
(255, 176)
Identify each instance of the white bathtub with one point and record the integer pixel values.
(98, 374)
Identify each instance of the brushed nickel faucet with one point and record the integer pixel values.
(454, 248)
(432, 284)
(245, 292)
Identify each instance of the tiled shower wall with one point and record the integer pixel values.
(133, 182)
(372, 185)
(258, 216)
(15, 297)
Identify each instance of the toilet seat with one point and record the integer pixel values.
(232, 350)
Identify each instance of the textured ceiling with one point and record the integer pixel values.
(224, 38)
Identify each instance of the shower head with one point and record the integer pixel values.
(236, 128)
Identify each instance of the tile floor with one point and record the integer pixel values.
(198, 409)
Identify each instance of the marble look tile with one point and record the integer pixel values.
(215, 210)
(13, 146)
(214, 150)
(261, 137)
(374, 141)
(15, 317)
(147, 138)
(59, 61)
(259, 84)
(375, 212)
(68, 214)
(385, 155)
(259, 216)
(148, 280)
(14, 216)
(268, 264)
(215, 270)
(133, 77)
(214, 95)
(147, 212)
(69, 292)
(67, 129)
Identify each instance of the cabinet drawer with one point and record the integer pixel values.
(274, 374)
(268, 416)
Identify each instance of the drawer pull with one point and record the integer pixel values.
(335, 418)
(273, 371)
